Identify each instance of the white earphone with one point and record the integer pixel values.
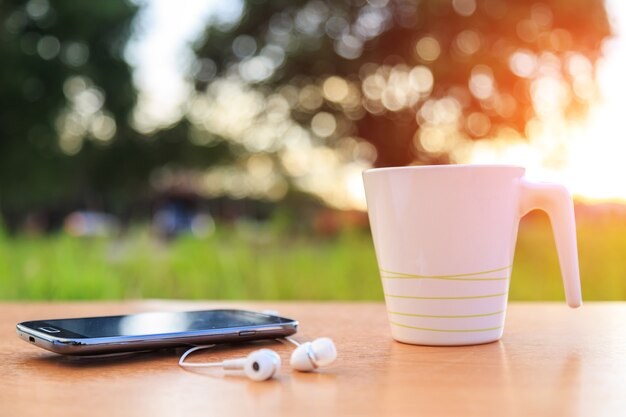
(263, 364)
(259, 365)
(309, 356)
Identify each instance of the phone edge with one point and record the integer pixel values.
(95, 346)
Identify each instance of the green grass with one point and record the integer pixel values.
(258, 262)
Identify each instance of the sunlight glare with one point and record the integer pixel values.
(588, 155)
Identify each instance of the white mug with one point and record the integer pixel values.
(445, 238)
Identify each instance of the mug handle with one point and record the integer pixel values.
(557, 202)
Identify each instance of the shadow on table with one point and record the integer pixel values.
(156, 358)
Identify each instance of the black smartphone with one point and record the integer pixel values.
(146, 331)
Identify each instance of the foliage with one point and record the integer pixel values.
(387, 71)
(357, 60)
(66, 99)
(42, 46)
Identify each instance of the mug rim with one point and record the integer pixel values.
(440, 167)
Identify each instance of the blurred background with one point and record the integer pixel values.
(214, 149)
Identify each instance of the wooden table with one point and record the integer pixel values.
(552, 361)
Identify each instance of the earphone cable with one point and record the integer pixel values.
(184, 364)
(289, 339)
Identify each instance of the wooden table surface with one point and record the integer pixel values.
(552, 361)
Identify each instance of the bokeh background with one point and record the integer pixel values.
(214, 149)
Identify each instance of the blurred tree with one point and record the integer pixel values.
(66, 93)
(63, 80)
(407, 75)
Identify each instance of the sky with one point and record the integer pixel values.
(585, 155)
(160, 54)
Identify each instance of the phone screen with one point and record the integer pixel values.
(156, 323)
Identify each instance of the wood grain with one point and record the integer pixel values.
(552, 361)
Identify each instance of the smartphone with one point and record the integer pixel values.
(147, 331)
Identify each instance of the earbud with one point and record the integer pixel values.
(309, 356)
(263, 364)
(259, 365)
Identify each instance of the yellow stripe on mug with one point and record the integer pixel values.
(466, 316)
(487, 329)
(469, 276)
(445, 278)
(467, 297)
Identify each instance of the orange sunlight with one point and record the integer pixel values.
(585, 155)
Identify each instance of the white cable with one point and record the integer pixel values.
(181, 361)
(287, 340)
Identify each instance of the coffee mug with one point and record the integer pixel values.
(445, 238)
